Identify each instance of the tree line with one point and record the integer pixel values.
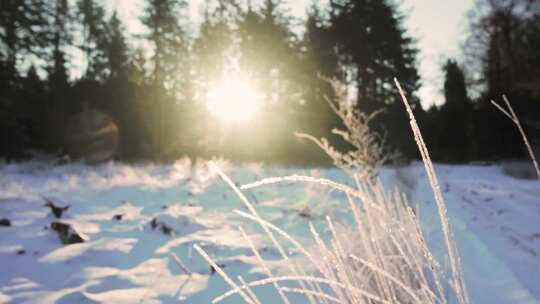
(501, 57)
(154, 90)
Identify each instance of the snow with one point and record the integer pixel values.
(122, 210)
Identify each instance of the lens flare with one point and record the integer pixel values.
(233, 100)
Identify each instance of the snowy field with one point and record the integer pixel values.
(133, 218)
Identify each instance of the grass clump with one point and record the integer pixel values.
(383, 258)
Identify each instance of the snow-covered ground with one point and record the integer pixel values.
(133, 217)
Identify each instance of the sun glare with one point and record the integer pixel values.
(233, 100)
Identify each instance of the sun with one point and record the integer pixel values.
(233, 100)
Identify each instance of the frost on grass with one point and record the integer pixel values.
(369, 150)
(382, 259)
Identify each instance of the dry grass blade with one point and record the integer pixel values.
(455, 264)
(388, 276)
(305, 179)
(361, 292)
(264, 266)
(273, 227)
(248, 290)
(180, 264)
(314, 293)
(254, 213)
(223, 274)
(514, 118)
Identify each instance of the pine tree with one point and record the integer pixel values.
(455, 138)
(270, 55)
(320, 63)
(214, 58)
(32, 104)
(137, 69)
(117, 50)
(170, 75)
(22, 24)
(373, 48)
(319, 43)
(58, 106)
(120, 99)
(166, 21)
(92, 21)
(502, 46)
(455, 89)
(214, 48)
(268, 49)
(61, 38)
(22, 35)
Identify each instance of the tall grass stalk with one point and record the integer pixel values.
(455, 264)
(383, 259)
(514, 118)
(222, 273)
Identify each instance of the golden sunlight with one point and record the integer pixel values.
(233, 100)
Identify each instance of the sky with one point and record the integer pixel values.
(438, 26)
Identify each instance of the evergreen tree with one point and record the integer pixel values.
(92, 21)
(320, 61)
(214, 48)
(168, 36)
(373, 48)
(319, 65)
(214, 59)
(22, 35)
(137, 69)
(268, 50)
(58, 106)
(270, 55)
(455, 141)
(61, 38)
(120, 99)
(319, 43)
(23, 24)
(455, 89)
(503, 46)
(165, 20)
(31, 105)
(117, 50)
